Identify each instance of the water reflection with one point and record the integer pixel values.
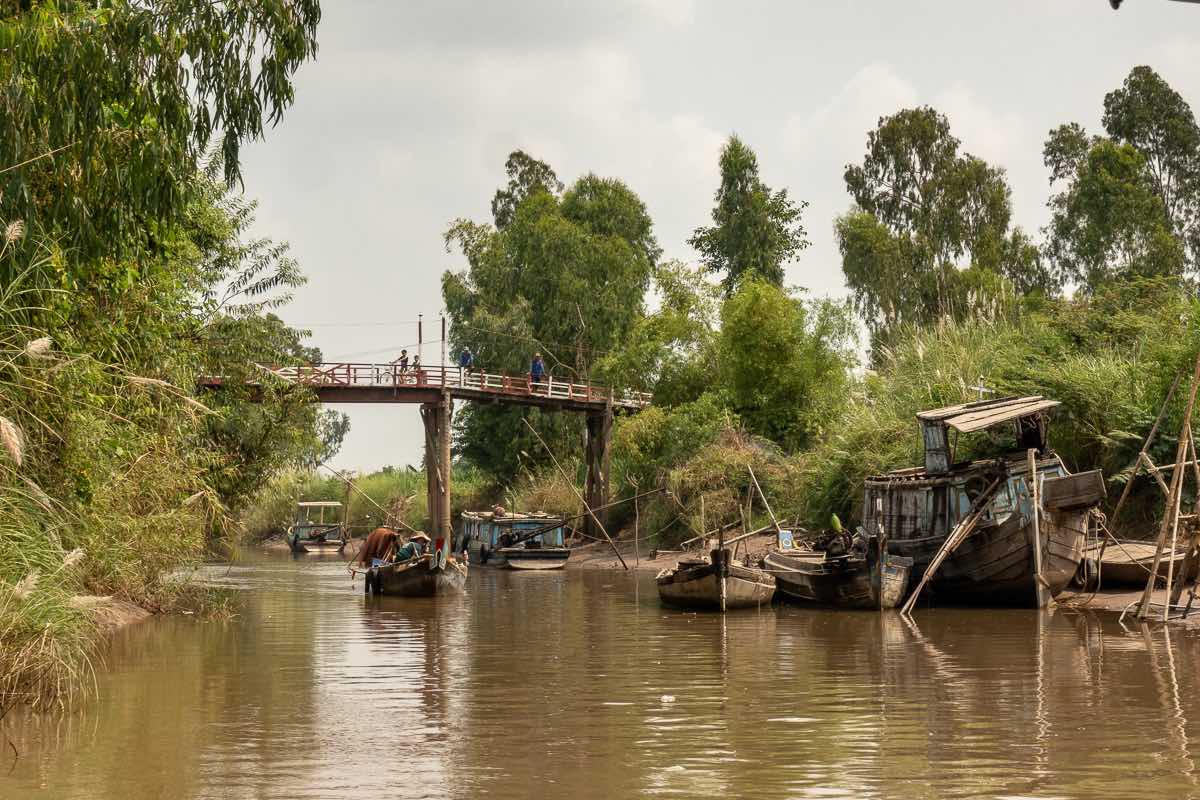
(579, 685)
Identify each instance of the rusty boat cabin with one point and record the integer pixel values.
(915, 510)
(530, 541)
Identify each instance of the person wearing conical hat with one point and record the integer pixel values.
(413, 548)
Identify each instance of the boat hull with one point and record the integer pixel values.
(416, 580)
(541, 558)
(1129, 563)
(995, 564)
(317, 546)
(839, 582)
(699, 587)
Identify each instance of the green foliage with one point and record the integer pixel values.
(670, 351)
(755, 230)
(1108, 222)
(563, 275)
(783, 362)
(1130, 205)
(929, 235)
(1149, 115)
(109, 106)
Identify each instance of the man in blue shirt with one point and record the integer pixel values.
(537, 368)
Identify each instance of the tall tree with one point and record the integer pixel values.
(783, 362)
(1152, 117)
(561, 272)
(930, 232)
(755, 230)
(1129, 203)
(108, 107)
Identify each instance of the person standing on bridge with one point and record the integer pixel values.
(537, 369)
(465, 361)
(399, 367)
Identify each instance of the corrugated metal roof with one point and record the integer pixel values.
(319, 504)
(984, 414)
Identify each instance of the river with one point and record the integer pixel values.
(578, 685)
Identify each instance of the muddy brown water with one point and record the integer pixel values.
(578, 685)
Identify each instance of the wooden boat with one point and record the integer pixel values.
(695, 583)
(494, 537)
(307, 535)
(845, 577)
(426, 576)
(917, 509)
(1129, 563)
(530, 556)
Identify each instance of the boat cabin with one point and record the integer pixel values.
(318, 523)
(484, 533)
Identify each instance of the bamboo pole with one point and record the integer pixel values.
(571, 483)
(956, 537)
(1035, 494)
(770, 513)
(1175, 533)
(1172, 503)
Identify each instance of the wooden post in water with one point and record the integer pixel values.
(596, 456)
(1171, 512)
(433, 478)
(445, 528)
(1035, 498)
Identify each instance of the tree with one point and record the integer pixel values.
(671, 351)
(783, 362)
(564, 274)
(929, 235)
(1152, 117)
(755, 230)
(526, 175)
(110, 106)
(1108, 222)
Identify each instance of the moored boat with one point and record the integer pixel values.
(426, 576)
(840, 574)
(527, 541)
(695, 583)
(917, 509)
(1129, 563)
(318, 535)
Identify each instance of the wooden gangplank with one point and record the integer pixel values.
(388, 383)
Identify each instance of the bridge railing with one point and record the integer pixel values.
(348, 374)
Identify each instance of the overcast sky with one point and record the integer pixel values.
(404, 120)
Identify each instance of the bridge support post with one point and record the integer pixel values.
(436, 418)
(599, 436)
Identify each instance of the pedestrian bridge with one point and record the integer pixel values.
(435, 388)
(389, 383)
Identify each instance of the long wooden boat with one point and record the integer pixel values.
(848, 579)
(420, 577)
(996, 564)
(1129, 563)
(535, 558)
(695, 583)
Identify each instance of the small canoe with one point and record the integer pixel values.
(695, 583)
(535, 558)
(1129, 563)
(842, 581)
(417, 578)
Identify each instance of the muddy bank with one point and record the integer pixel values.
(109, 613)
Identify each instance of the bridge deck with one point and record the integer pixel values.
(387, 383)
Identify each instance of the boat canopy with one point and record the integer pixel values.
(1027, 412)
(971, 417)
(319, 504)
